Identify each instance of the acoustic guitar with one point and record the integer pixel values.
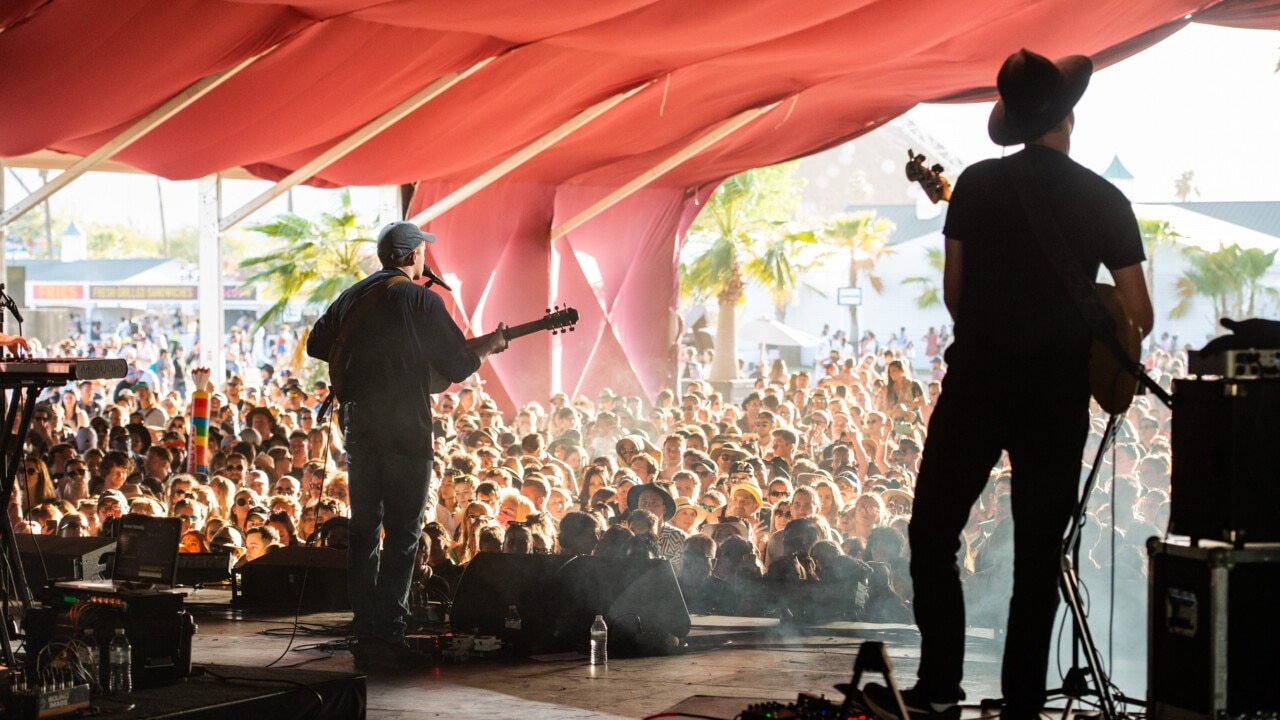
(557, 320)
(1110, 383)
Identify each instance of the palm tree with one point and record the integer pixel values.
(930, 293)
(739, 235)
(314, 260)
(778, 263)
(1231, 277)
(1155, 234)
(865, 237)
(1185, 186)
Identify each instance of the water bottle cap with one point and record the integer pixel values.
(119, 631)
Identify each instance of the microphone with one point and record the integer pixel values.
(13, 308)
(427, 272)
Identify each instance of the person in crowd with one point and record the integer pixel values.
(259, 541)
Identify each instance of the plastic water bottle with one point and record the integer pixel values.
(599, 642)
(512, 621)
(121, 679)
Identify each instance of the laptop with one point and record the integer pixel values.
(146, 559)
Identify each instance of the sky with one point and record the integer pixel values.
(1206, 99)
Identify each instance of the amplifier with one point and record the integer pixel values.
(1226, 461)
(1212, 632)
(156, 623)
(1236, 364)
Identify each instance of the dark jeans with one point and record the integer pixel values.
(388, 492)
(1042, 421)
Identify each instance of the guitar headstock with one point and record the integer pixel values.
(931, 180)
(559, 319)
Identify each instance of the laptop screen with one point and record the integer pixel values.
(147, 550)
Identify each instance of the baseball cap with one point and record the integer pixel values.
(397, 239)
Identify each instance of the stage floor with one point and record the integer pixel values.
(748, 658)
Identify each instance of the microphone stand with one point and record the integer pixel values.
(1076, 683)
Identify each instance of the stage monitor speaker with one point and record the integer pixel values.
(49, 558)
(1226, 462)
(317, 575)
(493, 582)
(635, 596)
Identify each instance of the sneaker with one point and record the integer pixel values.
(880, 700)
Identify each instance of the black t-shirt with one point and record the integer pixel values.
(1014, 309)
(404, 334)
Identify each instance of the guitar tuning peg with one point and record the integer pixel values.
(572, 328)
(548, 311)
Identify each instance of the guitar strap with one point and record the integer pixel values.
(1049, 235)
(337, 353)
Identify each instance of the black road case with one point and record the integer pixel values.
(1213, 632)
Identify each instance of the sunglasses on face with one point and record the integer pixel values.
(242, 501)
(236, 468)
(777, 493)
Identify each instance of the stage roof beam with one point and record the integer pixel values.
(132, 134)
(353, 141)
(523, 155)
(725, 129)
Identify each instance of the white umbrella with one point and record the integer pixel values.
(772, 332)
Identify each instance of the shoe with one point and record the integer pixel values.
(880, 701)
(382, 656)
(359, 652)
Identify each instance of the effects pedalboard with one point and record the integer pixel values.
(54, 694)
(806, 707)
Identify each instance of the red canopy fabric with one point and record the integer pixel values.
(75, 73)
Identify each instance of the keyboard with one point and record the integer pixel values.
(50, 371)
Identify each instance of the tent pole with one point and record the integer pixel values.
(212, 320)
(135, 132)
(726, 128)
(355, 140)
(522, 156)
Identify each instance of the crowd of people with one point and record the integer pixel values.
(795, 499)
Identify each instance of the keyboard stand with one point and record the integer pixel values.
(17, 403)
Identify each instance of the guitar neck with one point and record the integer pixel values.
(518, 331)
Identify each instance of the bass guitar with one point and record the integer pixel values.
(556, 320)
(1110, 382)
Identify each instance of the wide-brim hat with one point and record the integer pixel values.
(898, 493)
(686, 503)
(1036, 93)
(643, 446)
(633, 499)
(476, 438)
(732, 449)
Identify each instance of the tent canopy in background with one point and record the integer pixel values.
(75, 73)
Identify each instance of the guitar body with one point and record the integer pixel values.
(1109, 382)
(438, 383)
